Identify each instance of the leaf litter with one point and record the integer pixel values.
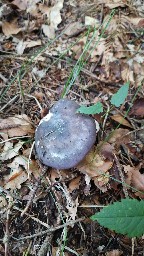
(113, 59)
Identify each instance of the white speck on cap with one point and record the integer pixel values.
(46, 118)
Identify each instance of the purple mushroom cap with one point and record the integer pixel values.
(64, 137)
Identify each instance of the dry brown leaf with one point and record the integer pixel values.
(72, 208)
(34, 169)
(127, 74)
(119, 136)
(96, 167)
(90, 21)
(107, 150)
(10, 28)
(18, 160)
(15, 179)
(53, 17)
(23, 123)
(73, 28)
(21, 4)
(74, 184)
(3, 202)
(114, 253)
(21, 46)
(10, 150)
(138, 108)
(121, 120)
(17, 175)
(135, 179)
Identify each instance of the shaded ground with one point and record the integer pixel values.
(34, 71)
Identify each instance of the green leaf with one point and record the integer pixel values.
(125, 217)
(95, 109)
(119, 97)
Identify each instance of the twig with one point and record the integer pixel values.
(7, 235)
(34, 191)
(45, 248)
(121, 175)
(31, 96)
(15, 138)
(29, 159)
(33, 218)
(69, 223)
(9, 102)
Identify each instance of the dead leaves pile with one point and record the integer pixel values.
(42, 17)
(10, 130)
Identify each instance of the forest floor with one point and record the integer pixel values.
(45, 211)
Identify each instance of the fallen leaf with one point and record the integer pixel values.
(48, 31)
(121, 120)
(3, 202)
(18, 125)
(74, 184)
(15, 179)
(72, 208)
(73, 28)
(90, 21)
(18, 161)
(96, 167)
(135, 179)
(54, 19)
(10, 150)
(21, 4)
(21, 46)
(138, 108)
(115, 252)
(119, 136)
(17, 175)
(10, 28)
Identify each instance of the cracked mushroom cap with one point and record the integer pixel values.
(64, 137)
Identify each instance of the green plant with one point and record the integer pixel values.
(116, 100)
(125, 217)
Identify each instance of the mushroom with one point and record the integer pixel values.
(64, 137)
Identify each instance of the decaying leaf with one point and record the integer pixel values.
(18, 161)
(15, 179)
(18, 125)
(10, 150)
(96, 167)
(115, 252)
(119, 136)
(54, 19)
(10, 28)
(17, 175)
(73, 28)
(90, 21)
(21, 4)
(138, 108)
(135, 179)
(121, 120)
(74, 184)
(72, 208)
(3, 202)
(21, 46)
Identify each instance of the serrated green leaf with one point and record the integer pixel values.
(125, 217)
(95, 109)
(119, 97)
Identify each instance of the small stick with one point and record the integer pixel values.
(45, 248)
(31, 96)
(34, 191)
(7, 235)
(9, 102)
(69, 223)
(121, 175)
(29, 159)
